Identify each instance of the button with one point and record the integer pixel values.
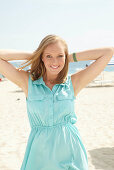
(73, 120)
(70, 118)
(67, 117)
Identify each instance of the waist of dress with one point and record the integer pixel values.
(52, 126)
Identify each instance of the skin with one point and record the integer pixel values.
(79, 79)
(53, 55)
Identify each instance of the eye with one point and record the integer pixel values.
(61, 56)
(48, 56)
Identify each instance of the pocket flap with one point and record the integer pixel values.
(36, 97)
(64, 97)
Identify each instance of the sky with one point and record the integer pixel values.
(83, 24)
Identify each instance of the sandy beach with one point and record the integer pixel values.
(95, 113)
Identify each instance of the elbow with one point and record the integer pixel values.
(111, 51)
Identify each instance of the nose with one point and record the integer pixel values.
(54, 61)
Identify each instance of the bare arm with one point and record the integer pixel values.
(8, 55)
(82, 78)
(92, 54)
(19, 77)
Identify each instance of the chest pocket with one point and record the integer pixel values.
(37, 97)
(65, 95)
(36, 94)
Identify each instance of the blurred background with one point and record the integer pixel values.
(84, 24)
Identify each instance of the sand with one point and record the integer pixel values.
(95, 112)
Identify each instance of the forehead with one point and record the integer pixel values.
(56, 47)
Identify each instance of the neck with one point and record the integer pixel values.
(49, 80)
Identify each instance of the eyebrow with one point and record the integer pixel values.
(58, 54)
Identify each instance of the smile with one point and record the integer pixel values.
(54, 67)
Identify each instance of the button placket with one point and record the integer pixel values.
(51, 114)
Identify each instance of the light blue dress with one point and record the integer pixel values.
(54, 142)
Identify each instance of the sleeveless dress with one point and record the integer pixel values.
(54, 142)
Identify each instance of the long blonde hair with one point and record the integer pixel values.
(37, 66)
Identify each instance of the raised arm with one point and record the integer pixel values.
(19, 77)
(91, 54)
(82, 78)
(9, 55)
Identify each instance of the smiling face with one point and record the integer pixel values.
(54, 59)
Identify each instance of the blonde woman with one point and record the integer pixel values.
(54, 142)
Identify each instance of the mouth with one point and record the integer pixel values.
(54, 67)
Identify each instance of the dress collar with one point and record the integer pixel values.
(41, 81)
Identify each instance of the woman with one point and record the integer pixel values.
(54, 142)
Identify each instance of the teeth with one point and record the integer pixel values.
(54, 66)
